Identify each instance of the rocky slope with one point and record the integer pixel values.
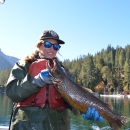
(7, 61)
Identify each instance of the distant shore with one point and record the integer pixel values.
(115, 95)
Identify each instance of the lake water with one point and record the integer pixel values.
(121, 106)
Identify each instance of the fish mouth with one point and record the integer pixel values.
(53, 72)
(52, 69)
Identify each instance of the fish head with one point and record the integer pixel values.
(55, 71)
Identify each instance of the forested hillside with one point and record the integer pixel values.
(112, 66)
(4, 74)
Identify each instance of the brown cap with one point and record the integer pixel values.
(50, 34)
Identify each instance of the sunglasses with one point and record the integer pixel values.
(49, 44)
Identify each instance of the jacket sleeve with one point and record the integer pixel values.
(19, 85)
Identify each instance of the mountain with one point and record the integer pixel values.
(7, 61)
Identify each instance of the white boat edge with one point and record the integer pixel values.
(4, 127)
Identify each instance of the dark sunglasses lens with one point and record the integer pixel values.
(47, 44)
(56, 46)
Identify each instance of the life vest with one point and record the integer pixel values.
(47, 93)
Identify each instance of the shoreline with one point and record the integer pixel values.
(116, 95)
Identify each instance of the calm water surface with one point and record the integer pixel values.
(121, 106)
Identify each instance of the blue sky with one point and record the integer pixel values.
(86, 26)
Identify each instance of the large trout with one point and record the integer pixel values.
(80, 99)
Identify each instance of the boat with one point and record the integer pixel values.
(4, 127)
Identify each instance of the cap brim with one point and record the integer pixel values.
(59, 41)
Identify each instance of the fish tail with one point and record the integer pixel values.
(118, 123)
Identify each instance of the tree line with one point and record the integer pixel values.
(110, 66)
(4, 74)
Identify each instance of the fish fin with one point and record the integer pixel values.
(110, 107)
(118, 123)
(114, 126)
(75, 111)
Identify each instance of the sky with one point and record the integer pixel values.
(86, 26)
